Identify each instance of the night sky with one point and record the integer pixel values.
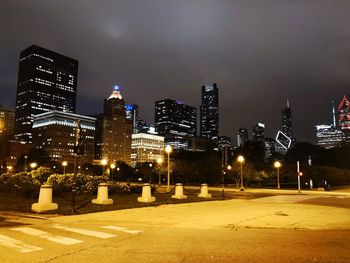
(258, 52)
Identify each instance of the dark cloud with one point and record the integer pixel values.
(259, 53)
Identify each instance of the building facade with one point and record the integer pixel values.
(113, 130)
(242, 137)
(209, 112)
(7, 122)
(46, 81)
(344, 118)
(328, 136)
(146, 148)
(56, 131)
(258, 132)
(175, 121)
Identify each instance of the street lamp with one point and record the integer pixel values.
(277, 165)
(150, 175)
(64, 164)
(104, 163)
(168, 150)
(25, 162)
(112, 166)
(159, 162)
(33, 165)
(9, 168)
(240, 159)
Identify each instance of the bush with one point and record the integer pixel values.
(19, 183)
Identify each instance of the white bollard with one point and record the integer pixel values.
(204, 191)
(102, 195)
(179, 192)
(45, 200)
(146, 194)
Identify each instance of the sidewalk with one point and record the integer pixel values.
(228, 214)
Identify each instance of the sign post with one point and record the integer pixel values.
(298, 171)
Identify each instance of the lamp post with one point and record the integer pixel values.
(159, 162)
(64, 164)
(240, 159)
(150, 175)
(25, 162)
(168, 150)
(104, 163)
(33, 165)
(112, 166)
(277, 165)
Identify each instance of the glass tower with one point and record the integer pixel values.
(46, 81)
(209, 112)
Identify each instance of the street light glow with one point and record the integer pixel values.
(240, 159)
(159, 160)
(64, 163)
(277, 164)
(104, 162)
(168, 149)
(112, 165)
(33, 165)
(229, 167)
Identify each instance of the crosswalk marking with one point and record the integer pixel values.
(17, 245)
(123, 229)
(45, 235)
(86, 232)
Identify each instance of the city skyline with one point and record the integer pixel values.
(152, 59)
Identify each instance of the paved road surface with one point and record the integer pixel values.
(277, 228)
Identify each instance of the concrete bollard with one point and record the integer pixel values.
(204, 191)
(45, 200)
(179, 192)
(102, 195)
(146, 194)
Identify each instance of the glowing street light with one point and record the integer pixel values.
(104, 163)
(9, 168)
(168, 150)
(33, 165)
(64, 164)
(240, 159)
(277, 165)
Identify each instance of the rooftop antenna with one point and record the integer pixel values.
(333, 112)
(287, 102)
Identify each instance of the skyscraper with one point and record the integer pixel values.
(209, 112)
(176, 121)
(242, 137)
(259, 132)
(132, 114)
(113, 130)
(287, 121)
(344, 118)
(46, 81)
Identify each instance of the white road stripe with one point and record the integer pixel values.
(17, 245)
(86, 232)
(45, 235)
(123, 229)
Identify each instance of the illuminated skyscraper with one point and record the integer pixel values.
(287, 121)
(46, 81)
(242, 137)
(209, 112)
(113, 130)
(259, 132)
(344, 118)
(176, 121)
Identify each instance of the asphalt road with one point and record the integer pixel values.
(277, 228)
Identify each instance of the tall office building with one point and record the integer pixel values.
(46, 81)
(242, 137)
(7, 122)
(176, 121)
(209, 112)
(328, 137)
(259, 132)
(344, 118)
(113, 130)
(287, 121)
(132, 114)
(55, 132)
